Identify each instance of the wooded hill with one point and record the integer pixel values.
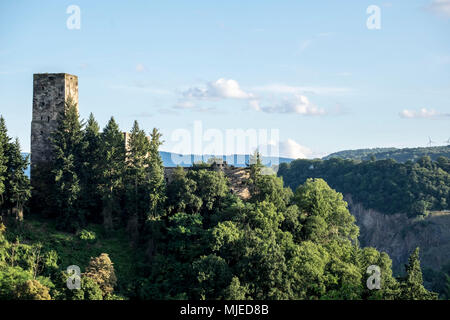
(136, 237)
(399, 155)
(413, 188)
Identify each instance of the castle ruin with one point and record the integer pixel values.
(51, 91)
(50, 94)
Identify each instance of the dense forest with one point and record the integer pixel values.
(399, 155)
(413, 188)
(134, 236)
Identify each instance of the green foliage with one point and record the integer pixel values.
(181, 193)
(90, 170)
(156, 176)
(399, 155)
(412, 286)
(101, 270)
(4, 141)
(63, 249)
(87, 235)
(324, 213)
(112, 168)
(211, 188)
(193, 239)
(15, 189)
(413, 188)
(439, 280)
(67, 148)
(137, 184)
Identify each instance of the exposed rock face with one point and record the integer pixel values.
(398, 235)
(236, 176)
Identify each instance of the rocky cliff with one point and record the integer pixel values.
(398, 235)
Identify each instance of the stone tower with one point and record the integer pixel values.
(50, 92)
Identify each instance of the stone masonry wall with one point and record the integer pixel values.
(50, 92)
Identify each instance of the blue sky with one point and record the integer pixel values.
(311, 69)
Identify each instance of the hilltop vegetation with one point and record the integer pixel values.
(134, 237)
(413, 188)
(399, 155)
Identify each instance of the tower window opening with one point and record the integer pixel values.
(48, 119)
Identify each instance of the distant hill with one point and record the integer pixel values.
(399, 155)
(390, 187)
(171, 159)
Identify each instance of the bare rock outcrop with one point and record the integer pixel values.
(398, 235)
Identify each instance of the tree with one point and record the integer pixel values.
(101, 270)
(67, 141)
(89, 290)
(4, 141)
(18, 189)
(156, 176)
(389, 287)
(137, 186)
(235, 291)
(324, 213)
(211, 188)
(412, 285)
(111, 168)
(213, 275)
(181, 195)
(15, 187)
(90, 173)
(33, 290)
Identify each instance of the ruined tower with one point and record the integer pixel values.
(50, 93)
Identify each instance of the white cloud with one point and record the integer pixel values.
(440, 7)
(219, 89)
(254, 104)
(299, 105)
(422, 113)
(291, 149)
(282, 88)
(140, 67)
(296, 101)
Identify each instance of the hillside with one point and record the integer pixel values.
(399, 155)
(397, 235)
(412, 188)
(397, 206)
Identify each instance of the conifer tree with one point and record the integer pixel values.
(156, 176)
(255, 166)
(67, 146)
(18, 189)
(136, 179)
(111, 166)
(4, 141)
(91, 200)
(412, 286)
